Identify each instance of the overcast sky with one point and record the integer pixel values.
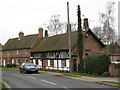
(29, 15)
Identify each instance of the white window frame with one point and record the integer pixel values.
(17, 52)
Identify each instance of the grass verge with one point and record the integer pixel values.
(2, 86)
(73, 74)
(110, 82)
(11, 68)
(88, 75)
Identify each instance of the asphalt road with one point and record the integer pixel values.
(17, 80)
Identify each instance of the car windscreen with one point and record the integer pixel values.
(29, 64)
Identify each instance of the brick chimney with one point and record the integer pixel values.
(46, 33)
(40, 33)
(85, 24)
(21, 34)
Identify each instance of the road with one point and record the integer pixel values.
(17, 80)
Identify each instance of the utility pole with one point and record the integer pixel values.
(69, 38)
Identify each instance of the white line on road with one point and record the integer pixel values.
(66, 88)
(31, 77)
(48, 82)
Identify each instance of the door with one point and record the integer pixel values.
(74, 65)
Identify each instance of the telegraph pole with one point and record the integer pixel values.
(69, 38)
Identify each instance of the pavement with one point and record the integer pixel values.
(90, 79)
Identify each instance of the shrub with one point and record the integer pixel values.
(105, 74)
(97, 63)
(11, 65)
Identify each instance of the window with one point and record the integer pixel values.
(63, 63)
(17, 52)
(17, 61)
(26, 51)
(52, 63)
(7, 52)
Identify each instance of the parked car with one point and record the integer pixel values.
(28, 67)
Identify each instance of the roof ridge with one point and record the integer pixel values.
(23, 36)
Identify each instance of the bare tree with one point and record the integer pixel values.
(107, 20)
(55, 26)
(73, 26)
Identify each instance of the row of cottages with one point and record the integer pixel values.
(17, 50)
(52, 53)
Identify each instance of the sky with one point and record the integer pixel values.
(28, 15)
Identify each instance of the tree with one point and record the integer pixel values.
(106, 31)
(80, 40)
(73, 26)
(55, 26)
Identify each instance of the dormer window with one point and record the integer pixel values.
(17, 52)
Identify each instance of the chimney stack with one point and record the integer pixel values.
(85, 24)
(40, 33)
(21, 34)
(46, 33)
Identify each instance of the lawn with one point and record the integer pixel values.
(11, 68)
(110, 82)
(88, 75)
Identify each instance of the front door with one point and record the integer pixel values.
(74, 65)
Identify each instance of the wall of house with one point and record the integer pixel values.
(15, 56)
(92, 45)
(57, 60)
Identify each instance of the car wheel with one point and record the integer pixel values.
(36, 71)
(24, 71)
(20, 71)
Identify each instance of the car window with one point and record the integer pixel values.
(29, 64)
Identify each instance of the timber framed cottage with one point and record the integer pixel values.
(17, 50)
(52, 53)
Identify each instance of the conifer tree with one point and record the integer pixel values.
(80, 40)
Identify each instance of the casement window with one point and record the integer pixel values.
(13, 61)
(17, 51)
(26, 51)
(52, 63)
(17, 61)
(8, 53)
(63, 62)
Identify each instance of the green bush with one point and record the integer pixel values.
(105, 74)
(97, 64)
(11, 65)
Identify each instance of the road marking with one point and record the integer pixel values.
(48, 82)
(31, 77)
(66, 88)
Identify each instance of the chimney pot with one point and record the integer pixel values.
(46, 33)
(21, 34)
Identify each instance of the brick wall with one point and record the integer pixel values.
(16, 56)
(92, 45)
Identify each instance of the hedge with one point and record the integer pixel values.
(97, 64)
(11, 65)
